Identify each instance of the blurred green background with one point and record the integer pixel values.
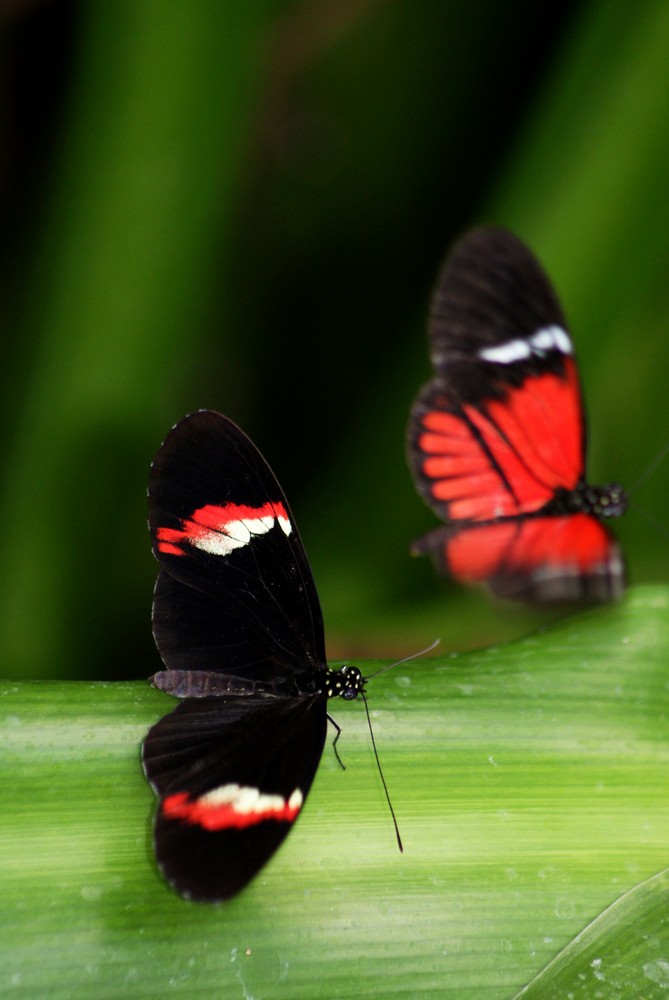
(243, 206)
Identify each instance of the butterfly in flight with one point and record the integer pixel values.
(496, 439)
(238, 624)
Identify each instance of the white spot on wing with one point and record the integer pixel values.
(218, 543)
(249, 801)
(506, 354)
(240, 531)
(258, 525)
(295, 800)
(542, 340)
(562, 340)
(548, 338)
(285, 525)
(235, 534)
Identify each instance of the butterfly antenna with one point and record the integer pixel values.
(650, 468)
(383, 780)
(390, 666)
(411, 656)
(658, 525)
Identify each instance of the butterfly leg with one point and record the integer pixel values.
(334, 743)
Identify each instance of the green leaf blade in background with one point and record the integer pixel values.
(581, 183)
(143, 184)
(244, 207)
(530, 783)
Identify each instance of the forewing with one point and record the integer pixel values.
(491, 291)
(235, 586)
(232, 775)
(500, 427)
(504, 457)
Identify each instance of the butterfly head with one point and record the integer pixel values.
(604, 501)
(346, 683)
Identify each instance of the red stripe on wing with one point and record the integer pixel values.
(213, 518)
(475, 554)
(460, 471)
(506, 457)
(577, 542)
(542, 558)
(542, 422)
(234, 813)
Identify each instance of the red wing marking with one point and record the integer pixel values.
(542, 421)
(232, 807)
(220, 529)
(534, 437)
(573, 545)
(460, 470)
(475, 554)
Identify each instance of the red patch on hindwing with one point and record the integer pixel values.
(574, 544)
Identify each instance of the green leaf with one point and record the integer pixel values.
(606, 959)
(530, 783)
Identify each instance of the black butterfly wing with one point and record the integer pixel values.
(235, 593)
(232, 775)
(237, 621)
(491, 291)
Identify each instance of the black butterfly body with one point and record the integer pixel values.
(497, 439)
(238, 624)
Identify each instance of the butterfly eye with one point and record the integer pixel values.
(614, 500)
(353, 683)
